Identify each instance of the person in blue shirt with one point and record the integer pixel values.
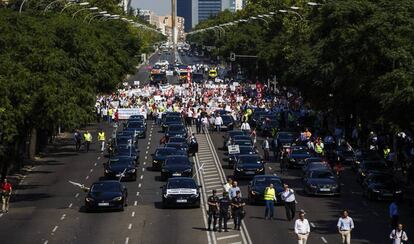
(345, 226)
(394, 214)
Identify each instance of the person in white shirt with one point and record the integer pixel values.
(205, 124)
(245, 127)
(228, 185)
(302, 228)
(398, 235)
(288, 196)
(345, 226)
(218, 122)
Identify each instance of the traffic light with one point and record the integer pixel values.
(232, 57)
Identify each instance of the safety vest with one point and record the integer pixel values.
(318, 148)
(87, 137)
(110, 112)
(101, 136)
(269, 193)
(386, 152)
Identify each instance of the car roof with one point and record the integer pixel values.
(107, 182)
(181, 178)
(266, 176)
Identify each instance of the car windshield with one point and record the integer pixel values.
(106, 187)
(286, 136)
(177, 139)
(175, 128)
(242, 138)
(321, 175)
(122, 140)
(236, 133)
(181, 183)
(263, 182)
(243, 142)
(227, 119)
(249, 160)
(164, 152)
(135, 125)
(172, 119)
(176, 161)
(246, 150)
(300, 151)
(119, 161)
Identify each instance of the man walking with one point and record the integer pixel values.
(288, 196)
(394, 214)
(198, 124)
(345, 226)
(233, 190)
(238, 213)
(213, 204)
(6, 190)
(87, 137)
(302, 228)
(218, 122)
(78, 139)
(269, 197)
(224, 204)
(266, 148)
(101, 139)
(398, 235)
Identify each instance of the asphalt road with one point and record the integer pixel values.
(47, 209)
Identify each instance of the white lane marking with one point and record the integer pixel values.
(127, 240)
(99, 158)
(136, 202)
(141, 177)
(144, 163)
(313, 225)
(227, 237)
(238, 242)
(137, 193)
(46, 242)
(206, 179)
(147, 147)
(95, 164)
(149, 143)
(324, 240)
(214, 186)
(87, 177)
(146, 152)
(54, 229)
(133, 214)
(70, 205)
(63, 217)
(129, 226)
(139, 185)
(270, 168)
(77, 195)
(146, 157)
(1, 215)
(91, 170)
(143, 169)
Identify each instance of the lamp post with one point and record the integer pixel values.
(94, 15)
(73, 4)
(83, 9)
(50, 4)
(291, 12)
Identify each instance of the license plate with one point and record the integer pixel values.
(325, 189)
(249, 172)
(176, 174)
(103, 204)
(181, 200)
(387, 194)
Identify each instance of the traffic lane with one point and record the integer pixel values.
(182, 225)
(45, 192)
(142, 74)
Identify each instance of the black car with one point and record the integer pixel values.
(365, 155)
(176, 130)
(321, 182)
(379, 186)
(109, 194)
(228, 122)
(248, 165)
(176, 166)
(162, 153)
(297, 156)
(258, 185)
(171, 120)
(138, 128)
(181, 191)
(121, 168)
(268, 127)
(243, 150)
(367, 167)
(231, 134)
(178, 146)
(345, 154)
(286, 139)
(125, 150)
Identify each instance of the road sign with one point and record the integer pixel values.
(233, 149)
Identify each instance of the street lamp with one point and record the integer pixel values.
(74, 4)
(83, 9)
(94, 15)
(314, 4)
(291, 12)
(50, 4)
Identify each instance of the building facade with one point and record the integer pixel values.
(208, 8)
(188, 10)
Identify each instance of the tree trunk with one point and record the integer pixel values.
(32, 144)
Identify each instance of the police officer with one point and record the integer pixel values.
(87, 137)
(101, 139)
(224, 204)
(237, 204)
(213, 204)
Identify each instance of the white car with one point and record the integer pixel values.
(163, 63)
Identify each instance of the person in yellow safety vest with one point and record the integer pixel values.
(110, 113)
(87, 137)
(386, 152)
(319, 147)
(101, 139)
(269, 197)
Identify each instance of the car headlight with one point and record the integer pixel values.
(107, 171)
(259, 169)
(238, 169)
(117, 198)
(89, 199)
(376, 191)
(357, 162)
(187, 170)
(398, 192)
(155, 161)
(165, 195)
(362, 173)
(132, 170)
(334, 186)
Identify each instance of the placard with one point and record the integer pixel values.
(233, 149)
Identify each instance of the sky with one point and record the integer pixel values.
(160, 7)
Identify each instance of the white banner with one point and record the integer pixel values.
(125, 113)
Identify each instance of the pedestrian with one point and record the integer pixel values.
(213, 204)
(110, 114)
(205, 124)
(302, 228)
(288, 195)
(224, 206)
(394, 214)
(345, 226)
(284, 160)
(87, 137)
(101, 139)
(198, 124)
(398, 235)
(218, 121)
(78, 139)
(238, 211)
(269, 197)
(6, 190)
(266, 148)
(233, 190)
(253, 135)
(245, 127)
(228, 185)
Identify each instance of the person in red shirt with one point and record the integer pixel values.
(6, 189)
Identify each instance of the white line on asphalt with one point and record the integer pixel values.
(77, 195)
(270, 168)
(1, 215)
(63, 217)
(238, 242)
(147, 147)
(137, 193)
(126, 240)
(141, 177)
(227, 237)
(99, 158)
(139, 185)
(146, 157)
(144, 163)
(214, 186)
(133, 214)
(95, 164)
(54, 229)
(143, 169)
(70, 205)
(136, 202)
(146, 152)
(87, 177)
(129, 226)
(313, 225)
(324, 240)
(91, 170)
(46, 242)
(149, 143)
(210, 179)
